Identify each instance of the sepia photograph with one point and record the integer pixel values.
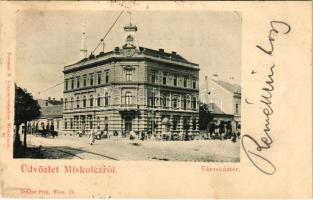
(153, 99)
(128, 85)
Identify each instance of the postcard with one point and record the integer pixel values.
(165, 99)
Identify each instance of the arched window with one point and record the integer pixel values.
(84, 101)
(91, 101)
(106, 99)
(128, 98)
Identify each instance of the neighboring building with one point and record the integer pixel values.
(224, 100)
(51, 115)
(131, 88)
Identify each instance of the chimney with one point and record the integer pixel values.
(161, 50)
(49, 98)
(53, 99)
(174, 52)
(61, 99)
(83, 48)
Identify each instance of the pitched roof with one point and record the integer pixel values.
(162, 54)
(51, 111)
(42, 102)
(144, 51)
(234, 88)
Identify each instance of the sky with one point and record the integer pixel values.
(49, 40)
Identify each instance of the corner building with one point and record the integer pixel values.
(132, 88)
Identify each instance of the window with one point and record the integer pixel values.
(107, 76)
(91, 101)
(106, 125)
(174, 102)
(98, 122)
(72, 102)
(71, 123)
(66, 84)
(99, 77)
(99, 101)
(72, 83)
(194, 103)
(194, 84)
(164, 78)
(194, 124)
(175, 123)
(128, 98)
(153, 98)
(91, 79)
(184, 102)
(153, 77)
(237, 108)
(84, 102)
(186, 125)
(65, 124)
(85, 80)
(77, 82)
(129, 74)
(65, 104)
(106, 99)
(76, 124)
(185, 81)
(175, 80)
(163, 101)
(77, 102)
(90, 122)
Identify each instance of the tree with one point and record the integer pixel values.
(26, 109)
(204, 116)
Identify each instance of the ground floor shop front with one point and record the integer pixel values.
(123, 122)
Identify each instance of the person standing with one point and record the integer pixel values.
(92, 137)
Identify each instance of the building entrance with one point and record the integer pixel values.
(128, 124)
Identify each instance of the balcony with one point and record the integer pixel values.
(127, 107)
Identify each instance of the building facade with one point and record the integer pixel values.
(224, 101)
(132, 88)
(51, 116)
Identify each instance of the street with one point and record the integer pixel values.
(68, 147)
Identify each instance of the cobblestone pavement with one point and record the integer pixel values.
(69, 147)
